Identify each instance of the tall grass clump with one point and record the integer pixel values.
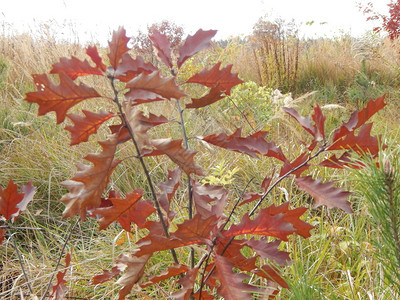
(378, 184)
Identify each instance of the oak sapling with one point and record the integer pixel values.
(219, 268)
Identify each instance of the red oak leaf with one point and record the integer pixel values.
(59, 289)
(74, 67)
(187, 285)
(85, 126)
(195, 43)
(295, 167)
(213, 96)
(126, 211)
(168, 189)
(152, 87)
(204, 195)
(231, 283)
(251, 145)
(268, 250)
(13, 203)
(134, 271)
(163, 47)
(340, 162)
(118, 47)
(192, 231)
(250, 197)
(270, 273)
(184, 158)
(222, 79)
(2, 235)
(316, 130)
(272, 221)
(107, 275)
(129, 68)
(361, 143)
(59, 98)
(87, 186)
(359, 118)
(170, 272)
(94, 55)
(325, 193)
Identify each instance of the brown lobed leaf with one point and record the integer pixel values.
(184, 158)
(87, 186)
(170, 272)
(213, 96)
(186, 285)
(94, 55)
(275, 221)
(58, 98)
(251, 145)
(13, 203)
(358, 118)
(231, 283)
(152, 87)
(205, 195)
(118, 47)
(126, 211)
(295, 167)
(223, 79)
(193, 231)
(195, 43)
(163, 47)
(74, 68)
(134, 269)
(129, 68)
(59, 289)
(325, 193)
(268, 250)
(361, 143)
(250, 197)
(168, 189)
(85, 126)
(107, 275)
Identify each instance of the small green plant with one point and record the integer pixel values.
(220, 175)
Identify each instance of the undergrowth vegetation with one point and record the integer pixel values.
(276, 78)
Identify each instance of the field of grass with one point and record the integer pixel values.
(337, 262)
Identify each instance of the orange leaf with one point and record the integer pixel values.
(181, 156)
(59, 98)
(130, 68)
(13, 203)
(126, 211)
(213, 96)
(186, 285)
(86, 126)
(87, 186)
(170, 272)
(94, 55)
(106, 276)
(325, 193)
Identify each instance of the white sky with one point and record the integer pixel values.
(95, 19)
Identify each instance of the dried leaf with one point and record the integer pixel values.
(87, 186)
(126, 211)
(163, 47)
(187, 285)
(59, 98)
(129, 68)
(184, 158)
(213, 96)
(59, 289)
(268, 250)
(251, 145)
(168, 189)
(325, 193)
(94, 55)
(205, 195)
(85, 126)
(170, 272)
(193, 44)
(118, 47)
(74, 67)
(152, 87)
(13, 203)
(134, 271)
(107, 275)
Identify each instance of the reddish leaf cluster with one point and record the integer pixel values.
(223, 267)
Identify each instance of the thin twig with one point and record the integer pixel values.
(59, 258)
(20, 262)
(144, 167)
